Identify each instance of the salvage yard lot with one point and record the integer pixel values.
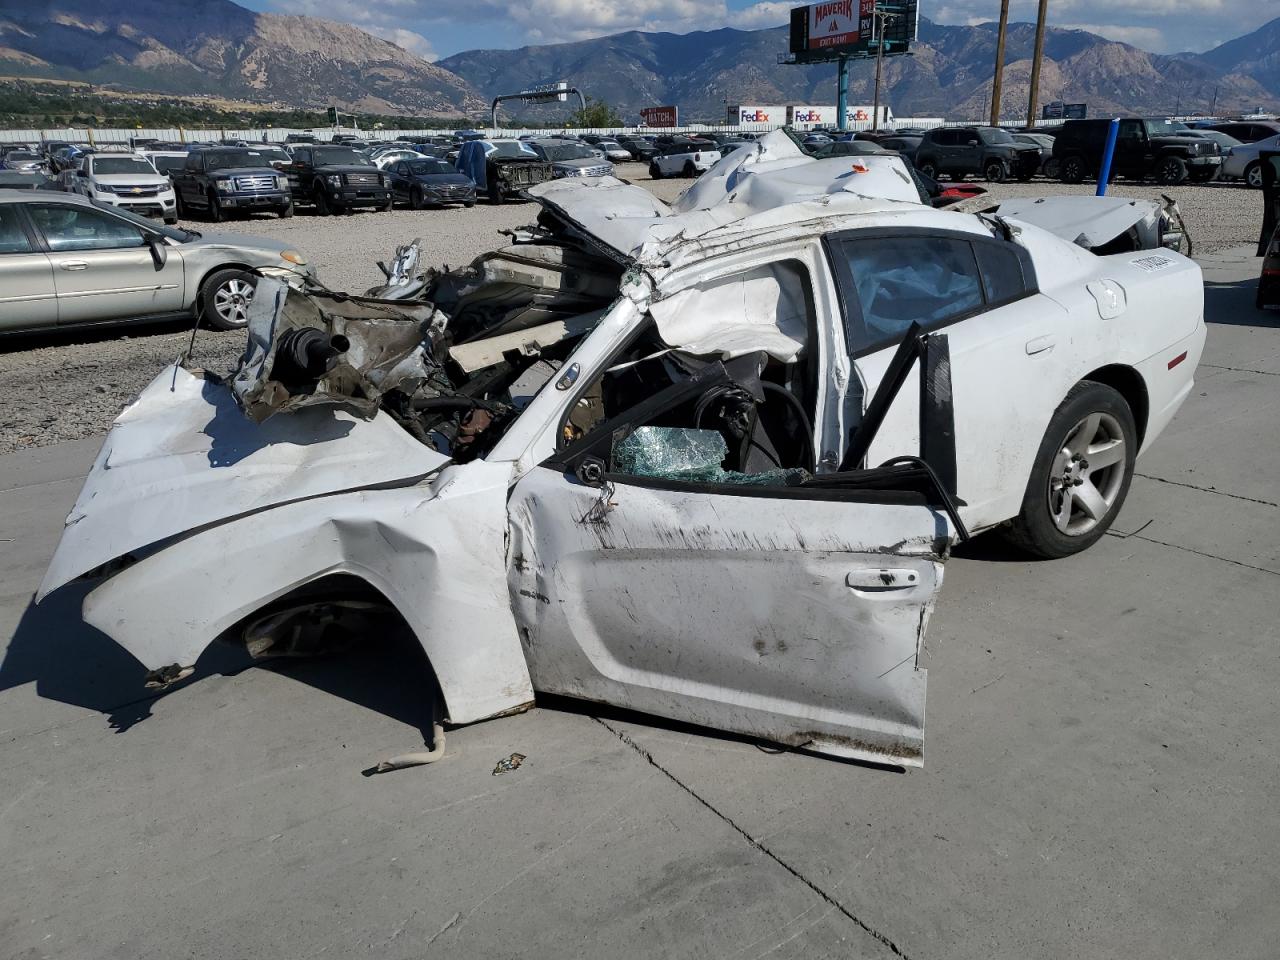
(1099, 777)
(72, 386)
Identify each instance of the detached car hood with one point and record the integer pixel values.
(183, 457)
(1093, 222)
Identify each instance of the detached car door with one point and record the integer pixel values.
(794, 613)
(103, 268)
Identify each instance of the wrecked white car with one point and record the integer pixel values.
(702, 461)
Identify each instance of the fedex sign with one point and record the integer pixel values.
(756, 114)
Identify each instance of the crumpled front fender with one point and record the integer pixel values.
(436, 552)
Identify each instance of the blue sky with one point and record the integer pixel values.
(438, 28)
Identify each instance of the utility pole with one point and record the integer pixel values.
(1035, 62)
(882, 17)
(997, 82)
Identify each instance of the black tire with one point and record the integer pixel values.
(1034, 529)
(928, 168)
(323, 209)
(285, 212)
(655, 172)
(1253, 175)
(1071, 170)
(220, 282)
(179, 207)
(496, 195)
(1171, 171)
(468, 204)
(994, 171)
(1051, 168)
(170, 221)
(215, 209)
(389, 204)
(416, 201)
(689, 170)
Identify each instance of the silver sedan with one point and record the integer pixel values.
(68, 261)
(1245, 163)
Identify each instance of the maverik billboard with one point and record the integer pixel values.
(847, 27)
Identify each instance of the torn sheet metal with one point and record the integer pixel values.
(1092, 222)
(774, 171)
(183, 455)
(748, 182)
(357, 350)
(764, 308)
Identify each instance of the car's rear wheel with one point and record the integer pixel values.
(655, 171)
(1253, 175)
(1051, 169)
(994, 172)
(1171, 171)
(690, 170)
(225, 299)
(1081, 474)
(1072, 170)
(929, 169)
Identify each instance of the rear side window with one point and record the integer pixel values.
(83, 228)
(13, 239)
(889, 282)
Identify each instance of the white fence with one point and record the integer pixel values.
(124, 135)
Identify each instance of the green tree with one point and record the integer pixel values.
(597, 113)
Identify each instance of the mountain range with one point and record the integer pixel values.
(218, 47)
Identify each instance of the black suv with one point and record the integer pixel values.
(989, 152)
(1145, 148)
(220, 181)
(337, 178)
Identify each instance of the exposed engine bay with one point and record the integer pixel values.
(454, 356)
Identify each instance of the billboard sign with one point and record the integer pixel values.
(811, 114)
(848, 28)
(754, 113)
(660, 116)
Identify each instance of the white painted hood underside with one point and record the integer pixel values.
(183, 456)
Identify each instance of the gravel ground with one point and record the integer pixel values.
(70, 386)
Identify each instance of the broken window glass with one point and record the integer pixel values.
(684, 453)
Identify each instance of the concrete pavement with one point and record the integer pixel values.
(1099, 781)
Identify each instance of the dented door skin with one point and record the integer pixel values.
(792, 615)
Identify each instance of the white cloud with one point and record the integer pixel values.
(1145, 38)
(415, 43)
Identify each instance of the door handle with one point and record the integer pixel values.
(1040, 345)
(74, 264)
(881, 579)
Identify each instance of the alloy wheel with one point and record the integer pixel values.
(1088, 474)
(231, 300)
